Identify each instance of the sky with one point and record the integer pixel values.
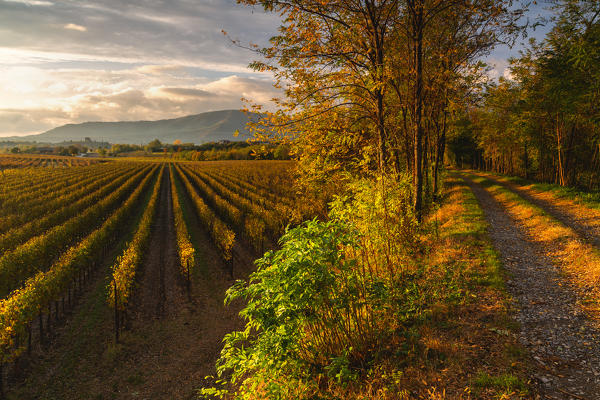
(538, 17)
(72, 61)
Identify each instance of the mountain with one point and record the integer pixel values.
(200, 128)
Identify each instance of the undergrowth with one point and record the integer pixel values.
(369, 304)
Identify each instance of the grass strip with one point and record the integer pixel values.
(469, 333)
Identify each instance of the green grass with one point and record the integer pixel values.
(505, 383)
(474, 224)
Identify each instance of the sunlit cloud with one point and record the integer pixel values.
(78, 95)
(507, 74)
(75, 27)
(187, 92)
(161, 69)
(109, 60)
(497, 69)
(31, 2)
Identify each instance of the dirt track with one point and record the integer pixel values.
(563, 342)
(587, 225)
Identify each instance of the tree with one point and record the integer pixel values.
(354, 71)
(444, 40)
(154, 146)
(333, 52)
(545, 121)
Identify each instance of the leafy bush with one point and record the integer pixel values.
(322, 307)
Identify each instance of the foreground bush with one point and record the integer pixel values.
(330, 301)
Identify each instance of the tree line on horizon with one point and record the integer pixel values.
(212, 151)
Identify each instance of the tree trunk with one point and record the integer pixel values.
(561, 172)
(439, 156)
(526, 156)
(418, 108)
(407, 143)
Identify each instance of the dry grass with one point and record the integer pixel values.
(466, 337)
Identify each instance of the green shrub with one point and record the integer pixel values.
(322, 307)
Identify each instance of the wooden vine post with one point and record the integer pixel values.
(189, 283)
(29, 339)
(41, 328)
(230, 262)
(116, 311)
(2, 395)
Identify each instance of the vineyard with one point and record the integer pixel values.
(9, 161)
(64, 230)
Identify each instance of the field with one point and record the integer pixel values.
(30, 161)
(113, 277)
(138, 242)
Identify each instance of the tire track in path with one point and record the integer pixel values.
(562, 341)
(583, 220)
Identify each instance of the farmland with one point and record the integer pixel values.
(29, 161)
(140, 240)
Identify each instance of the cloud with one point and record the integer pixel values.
(160, 69)
(187, 92)
(498, 68)
(32, 2)
(75, 27)
(36, 100)
(21, 122)
(139, 59)
(256, 90)
(157, 32)
(507, 74)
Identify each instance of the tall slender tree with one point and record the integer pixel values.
(363, 79)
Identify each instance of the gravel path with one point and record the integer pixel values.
(583, 220)
(560, 338)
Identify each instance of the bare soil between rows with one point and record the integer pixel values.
(160, 276)
(562, 341)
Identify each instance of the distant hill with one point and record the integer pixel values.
(200, 128)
